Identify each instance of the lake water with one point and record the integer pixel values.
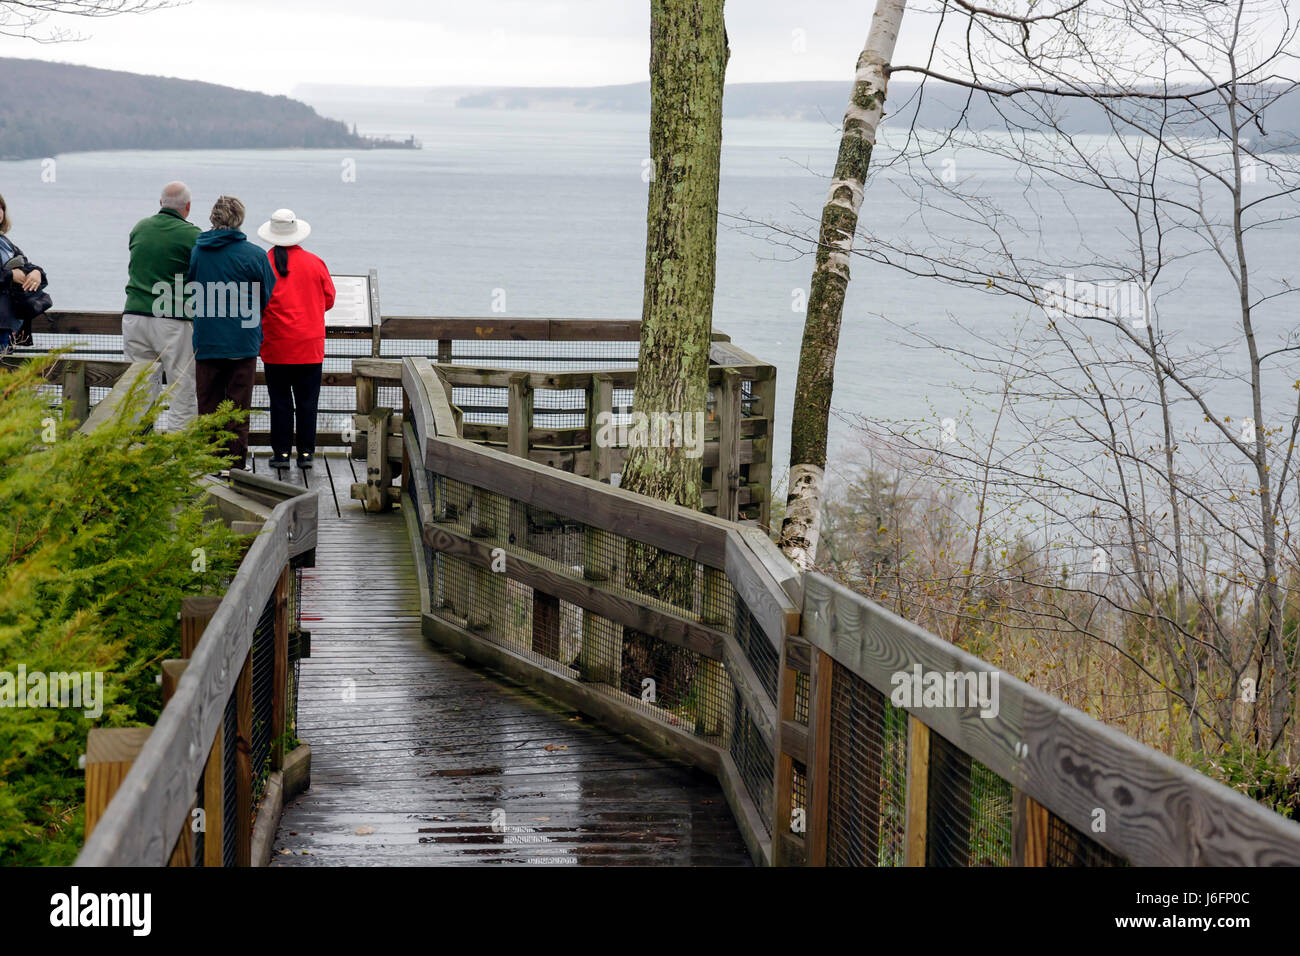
(551, 208)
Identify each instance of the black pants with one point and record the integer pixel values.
(218, 379)
(293, 388)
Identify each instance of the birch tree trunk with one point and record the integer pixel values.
(830, 280)
(688, 61)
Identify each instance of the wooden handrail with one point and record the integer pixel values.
(148, 374)
(1055, 759)
(1159, 812)
(151, 806)
(713, 541)
(424, 327)
(721, 546)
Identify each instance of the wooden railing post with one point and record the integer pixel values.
(109, 755)
(545, 633)
(172, 670)
(819, 746)
(76, 392)
(196, 612)
(763, 391)
(519, 414)
(918, 792)
(789, 846)
(405, 477)
(378, 492)
(376, 317)
(366, 391)
(600, 403)
(182, 853)
(214, 800)
(1029, 823)
(726, 477)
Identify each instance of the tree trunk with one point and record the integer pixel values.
(688, 60)
(830, 280)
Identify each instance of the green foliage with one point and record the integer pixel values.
(1258, 774)
(99, 533)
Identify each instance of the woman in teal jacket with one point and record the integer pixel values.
(227, 287)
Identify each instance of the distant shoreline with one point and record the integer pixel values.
(81, 109)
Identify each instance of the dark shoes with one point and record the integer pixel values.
(280, 462)
(305, 459)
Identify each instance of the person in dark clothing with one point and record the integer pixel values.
(16, 273)
(293, 336)
(227, 287)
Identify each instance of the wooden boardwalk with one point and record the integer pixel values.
(421, 759)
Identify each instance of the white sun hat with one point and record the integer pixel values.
(284, 229)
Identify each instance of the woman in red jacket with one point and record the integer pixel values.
(293, 336)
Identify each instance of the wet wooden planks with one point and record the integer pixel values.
(421, 759)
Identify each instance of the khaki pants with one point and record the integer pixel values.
(147, 337)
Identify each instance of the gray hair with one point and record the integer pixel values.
(227, 213)
(175, 196)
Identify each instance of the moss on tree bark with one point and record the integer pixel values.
(688, 61)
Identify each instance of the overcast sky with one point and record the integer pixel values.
(273, 45)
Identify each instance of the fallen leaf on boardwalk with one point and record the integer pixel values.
(364, 831)
(286, 852)
(542, 819)
(556, 747)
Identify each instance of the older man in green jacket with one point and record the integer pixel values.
(154, 323)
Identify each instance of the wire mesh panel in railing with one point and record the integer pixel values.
(294, 675)
(388, 396)
(657, 577)
(758, 648)
(535, 354)
(802, 689)
(867, 796)
(675, 684)
(969, 810)
(198, 833)
(230, 790)
(799, 797)
(84, 346)
(481, 404)
(753, 758)
(1066, 846)
(263, 685)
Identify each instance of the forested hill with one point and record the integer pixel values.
(55, 108)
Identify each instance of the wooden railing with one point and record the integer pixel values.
(533, 570)
(145, 787)
(787, 687)
(562, 406)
